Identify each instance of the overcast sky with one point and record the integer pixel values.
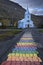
(35, 6)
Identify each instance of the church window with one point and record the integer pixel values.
(28, 16)
(27, 20)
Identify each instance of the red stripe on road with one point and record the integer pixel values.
(18, 63)
(23, 63)
(3, 63)
(37, 63)
(25, 46)
(8, 63)
(28, 63)
(13, 63)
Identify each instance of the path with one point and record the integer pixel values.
(25, 52)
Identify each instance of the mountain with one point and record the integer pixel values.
(10, 12)
(38, 20)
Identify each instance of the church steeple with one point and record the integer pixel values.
(27, 5)
(27, 14)
(27, 10)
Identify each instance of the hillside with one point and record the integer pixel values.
(38, 20)
(10, 12)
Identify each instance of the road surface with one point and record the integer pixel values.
(27, 50)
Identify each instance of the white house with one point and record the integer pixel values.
(26, 21)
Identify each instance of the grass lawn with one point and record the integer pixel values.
(41, 31)
(9, 33)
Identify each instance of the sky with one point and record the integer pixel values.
(35, 6)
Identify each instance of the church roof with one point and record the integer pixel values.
(27, 12)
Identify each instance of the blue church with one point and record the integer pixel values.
(26, 21)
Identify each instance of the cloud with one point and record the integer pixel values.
(36, 11)
(31, 3)
(35, 6)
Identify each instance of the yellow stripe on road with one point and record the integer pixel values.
(26, 39)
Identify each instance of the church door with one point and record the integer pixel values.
(28, 25)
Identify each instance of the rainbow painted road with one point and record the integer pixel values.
(24, 53)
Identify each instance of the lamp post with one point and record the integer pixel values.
(12, 18)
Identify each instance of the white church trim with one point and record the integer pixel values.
(26, 21)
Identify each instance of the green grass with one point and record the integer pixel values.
(9, 33)
(41, 31)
